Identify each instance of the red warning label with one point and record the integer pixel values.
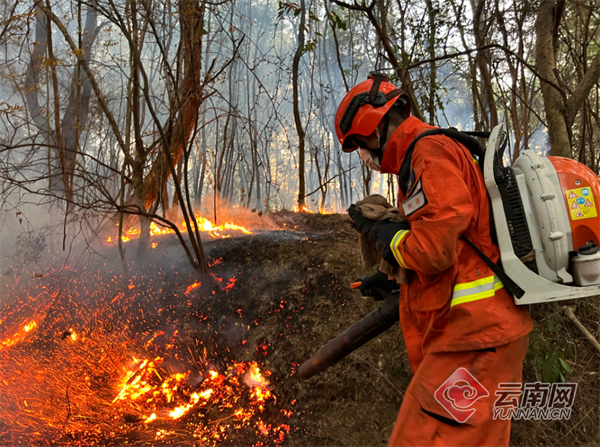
(579, 214)
(572, 195)
(574, 206)
(588, 203)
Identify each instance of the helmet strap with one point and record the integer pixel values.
(383, 136)
(378, 78)
(378, 153)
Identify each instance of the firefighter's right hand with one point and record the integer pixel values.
(378, 286)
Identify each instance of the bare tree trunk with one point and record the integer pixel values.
(482, 58)
(560, 140)
(57, 127)
(301, 134)
(514, 74)
(140, 157)
(432, 67)
(33, 78)
(402, 72)
(76, 114)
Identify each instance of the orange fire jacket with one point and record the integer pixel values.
(453, 301)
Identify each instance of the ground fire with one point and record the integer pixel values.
(204, 225)
(88, 361)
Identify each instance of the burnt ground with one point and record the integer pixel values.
(283, 295)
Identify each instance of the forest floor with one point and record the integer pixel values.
(356, 401)
(288, 293)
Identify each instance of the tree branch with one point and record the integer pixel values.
(81, 58)
(573, 318)
(485, 47)
(583, 89)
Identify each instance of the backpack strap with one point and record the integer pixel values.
(463, 138)
(508, 283)
(467, 140)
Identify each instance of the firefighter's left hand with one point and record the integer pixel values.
(379, 232)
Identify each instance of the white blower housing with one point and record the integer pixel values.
(547, 223)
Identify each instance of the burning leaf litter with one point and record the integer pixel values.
(204, 225)
(77, 371)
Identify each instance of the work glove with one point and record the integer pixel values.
(378, 286)
(379, 232)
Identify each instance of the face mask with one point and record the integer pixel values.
(371, 161)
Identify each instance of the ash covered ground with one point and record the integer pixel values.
(282, 295)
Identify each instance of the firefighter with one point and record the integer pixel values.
(464, 334)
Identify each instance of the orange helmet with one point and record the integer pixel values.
(363, 108)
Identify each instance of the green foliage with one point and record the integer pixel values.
(555, 367)
(310, 46)
(285, 8)
(337, 21)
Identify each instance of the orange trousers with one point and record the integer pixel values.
(424, 421)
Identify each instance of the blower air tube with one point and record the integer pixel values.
(352, 338)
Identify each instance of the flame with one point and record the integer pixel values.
(150, 418)
(301, 209)
(19, 336)
(203, 224)
(194, 399)
(253, 377)
(144, 385)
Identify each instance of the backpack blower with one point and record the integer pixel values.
(547, 224)
(547, 228)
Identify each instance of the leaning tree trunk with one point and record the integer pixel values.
(183, 120)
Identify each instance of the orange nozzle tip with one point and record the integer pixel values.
(355, 285)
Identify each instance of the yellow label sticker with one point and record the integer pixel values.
(581, 203)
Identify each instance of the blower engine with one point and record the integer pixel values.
(547, 223)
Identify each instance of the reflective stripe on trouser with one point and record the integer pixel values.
(475, 290)
(395, 246)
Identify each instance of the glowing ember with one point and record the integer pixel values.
(148, 389)
(253, 378)
(192, 287)
(230, 284)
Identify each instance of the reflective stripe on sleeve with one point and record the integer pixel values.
(475, 290)
(395, 246)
